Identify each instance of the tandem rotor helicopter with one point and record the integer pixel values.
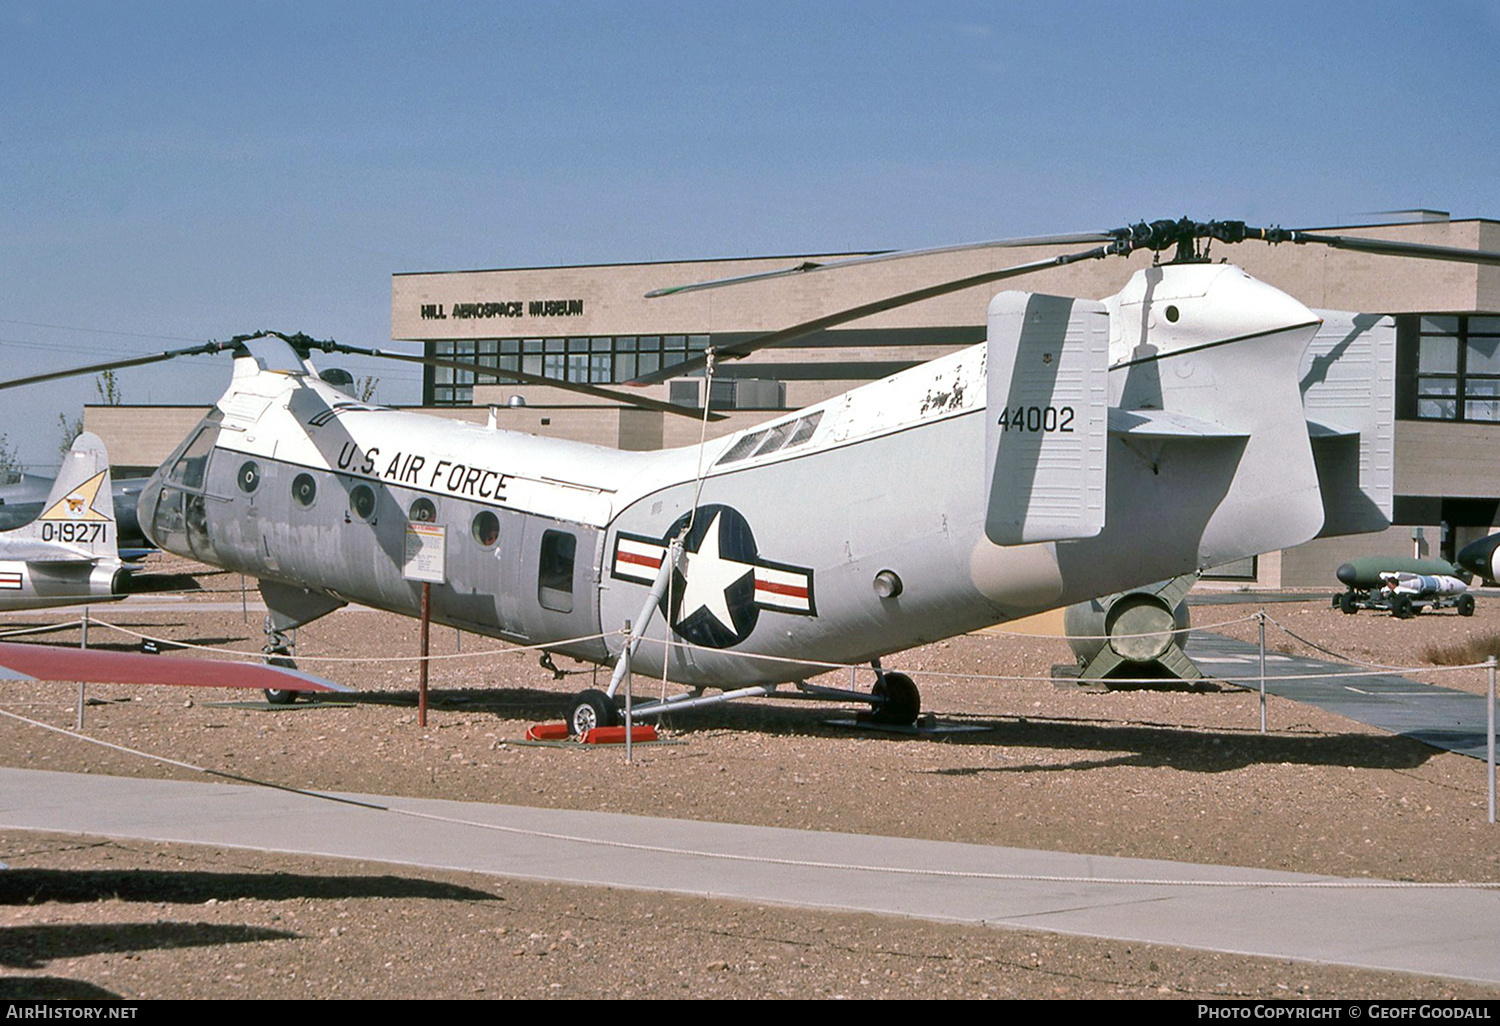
(1196, 417)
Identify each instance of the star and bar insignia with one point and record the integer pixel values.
(723, 584)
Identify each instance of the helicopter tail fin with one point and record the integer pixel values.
(1349, 394)
(1047, 366)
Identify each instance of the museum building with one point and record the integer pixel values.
(594, 325)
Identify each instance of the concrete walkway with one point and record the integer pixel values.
(1441, 932)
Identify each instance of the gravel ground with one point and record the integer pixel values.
(1166, 772)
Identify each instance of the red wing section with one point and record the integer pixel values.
(93, 666)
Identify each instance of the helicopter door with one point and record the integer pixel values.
(557, 580)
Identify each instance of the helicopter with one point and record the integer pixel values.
(1196, 417)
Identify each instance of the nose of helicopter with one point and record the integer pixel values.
(1480, 557)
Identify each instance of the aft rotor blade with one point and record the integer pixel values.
(854, 313)
(1076, 239)
(1382, 247)
(643, 402)
(135, 361)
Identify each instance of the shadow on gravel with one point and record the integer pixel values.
(1193, 751)
(52, 988)
(31, 947)
(149, 583)
(37, 886)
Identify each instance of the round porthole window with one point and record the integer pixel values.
(249, 476)
(486, 528)
(362, 502)
(422, 512)
(304, 489)
(1173, 314)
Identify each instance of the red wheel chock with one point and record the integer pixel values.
(616, 735)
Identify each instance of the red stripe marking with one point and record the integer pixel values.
(654, 562)
(795, 590)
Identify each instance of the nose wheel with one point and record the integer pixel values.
(278, 652)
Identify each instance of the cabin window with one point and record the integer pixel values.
(555, 571)
(249, 477)
(486, 528)
(362, 502)
(422, 511)
(304, 490)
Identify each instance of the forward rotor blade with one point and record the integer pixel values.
(1382, 247)
(642, 402)
(854, 313)
(1077, 239)
(136, 361)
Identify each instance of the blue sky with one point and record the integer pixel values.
(176, 172)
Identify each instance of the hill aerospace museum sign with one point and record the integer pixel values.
(532, 308)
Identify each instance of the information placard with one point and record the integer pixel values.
(426, 546)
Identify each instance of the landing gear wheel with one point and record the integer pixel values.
(902, 701)
(1465, 605)
(592, 708)
(280, 696)
(1402, 608)
(1345, 603)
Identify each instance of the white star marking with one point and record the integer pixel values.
(709, 577)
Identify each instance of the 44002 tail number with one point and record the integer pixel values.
(1037, 419)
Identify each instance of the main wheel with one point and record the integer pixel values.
(1402, 608)
(592, 708)
(902, 701)
(1465, 605)
(1345, 603)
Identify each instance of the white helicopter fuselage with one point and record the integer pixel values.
(855, 528)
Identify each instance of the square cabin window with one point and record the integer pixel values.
(555, 571)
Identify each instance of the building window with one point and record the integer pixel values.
(594, 360)
(1452, 372)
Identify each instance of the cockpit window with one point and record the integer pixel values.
(189, 469)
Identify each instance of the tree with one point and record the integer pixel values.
(365, 388)
(10, 461)
(107, 385)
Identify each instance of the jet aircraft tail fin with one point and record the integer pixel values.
(77, 521)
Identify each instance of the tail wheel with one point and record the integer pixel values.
(592, 708)
(901, 702)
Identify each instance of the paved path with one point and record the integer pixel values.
(1438, 716)
(1447, 932)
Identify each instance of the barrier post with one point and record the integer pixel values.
(1261, 620)
(83, 642)
(1490, 740)
(629, 694)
